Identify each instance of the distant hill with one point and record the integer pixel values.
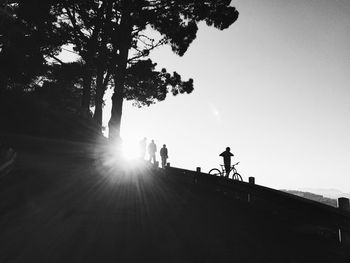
(330, 193)
(315, 197)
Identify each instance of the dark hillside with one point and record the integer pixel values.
(29, 113)
(61, 205)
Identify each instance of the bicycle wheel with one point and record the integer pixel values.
(215, 172)
(237, 176)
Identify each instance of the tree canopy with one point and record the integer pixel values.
(28, 38)
(114, 39)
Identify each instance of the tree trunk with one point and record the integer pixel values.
(118, 97)
(120, 72)
(116, 114)
(87, 80)
(100, 90)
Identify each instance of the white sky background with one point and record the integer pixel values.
(274, 87)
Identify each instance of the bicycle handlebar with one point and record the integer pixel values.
(222, 165)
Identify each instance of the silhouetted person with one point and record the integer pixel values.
(227, 160)
(142, 146)
(152, 149)
(164, 155)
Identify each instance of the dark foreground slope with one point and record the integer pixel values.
(61, 206)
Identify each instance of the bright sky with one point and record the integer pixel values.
(274, 87)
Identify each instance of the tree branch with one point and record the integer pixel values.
(142, 53)
(74, 23)
(57, 59)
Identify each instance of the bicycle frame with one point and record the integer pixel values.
(233, 169)
(235, 174)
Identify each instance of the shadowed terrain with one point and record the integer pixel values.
(63, 204)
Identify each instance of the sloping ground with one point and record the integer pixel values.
(28, 113)
(60, 206)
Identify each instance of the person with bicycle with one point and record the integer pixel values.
(227, 160)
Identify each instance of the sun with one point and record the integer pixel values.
(130, 149)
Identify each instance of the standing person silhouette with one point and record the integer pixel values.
(163, 155)
(152, 149)
(142, 146)
(227, 160)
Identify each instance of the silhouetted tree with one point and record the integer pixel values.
(62, 86)
(27, 38)
(93, 27)
(113, 38)
(176, 22)
(84, 23)
(144, 85)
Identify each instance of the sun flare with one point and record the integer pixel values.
(130, 150)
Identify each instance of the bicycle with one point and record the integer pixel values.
(235, 174)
